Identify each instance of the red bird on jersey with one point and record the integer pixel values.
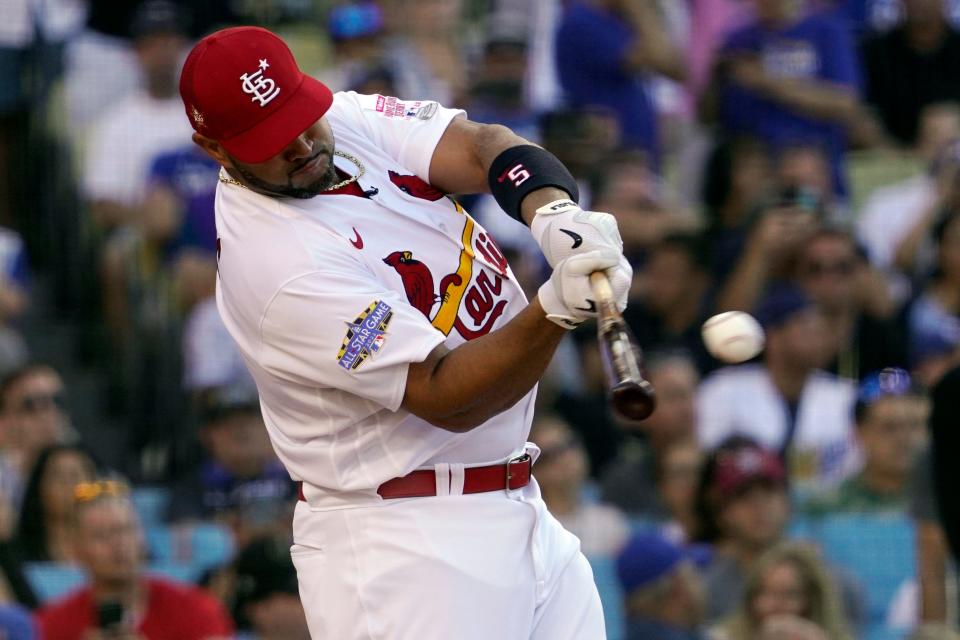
(417, 280)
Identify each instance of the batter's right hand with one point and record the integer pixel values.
(567, 296)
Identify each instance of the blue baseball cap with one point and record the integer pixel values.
(646, 558)
(780, 304)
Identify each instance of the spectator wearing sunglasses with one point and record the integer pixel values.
(121, 601)
(32, 416)
(889, 415)
(853, 300)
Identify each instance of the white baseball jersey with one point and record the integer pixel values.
(331, 298)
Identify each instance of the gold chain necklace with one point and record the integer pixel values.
(339, 185)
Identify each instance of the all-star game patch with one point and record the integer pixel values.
(365, 335)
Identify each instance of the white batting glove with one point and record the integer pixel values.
(567, 296)
(563, 229)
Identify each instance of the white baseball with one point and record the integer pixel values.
(733, 336)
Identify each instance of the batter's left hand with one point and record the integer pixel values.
(563, 229)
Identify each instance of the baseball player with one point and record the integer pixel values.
(395, 355)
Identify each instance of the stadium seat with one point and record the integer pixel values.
(611, 595)
(878, 550)
(205, 545)
(151, 504)
(51, 580)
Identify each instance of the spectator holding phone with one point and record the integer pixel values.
(122, 602)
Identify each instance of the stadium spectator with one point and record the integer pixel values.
(788, 596)
(210, 356)
(45, 532)
(267, 598)
(356, 30)
(130, 133)
(645, 214)
(32, 417)
(663, 597)
(737, 182)
(627, 42)
(788, 77)
(891, 211)
(673, 300)
(805, 168)
(855, 304)
(630, 481)
(934, 317)
(786, 402)
(562, 470)
(121, 601)
(496, 93)
(240, 483)
(890, 419)
(743, 508)
(677, 483)
(933, 556)
(908, 67)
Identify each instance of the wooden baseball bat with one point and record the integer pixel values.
(631, 395)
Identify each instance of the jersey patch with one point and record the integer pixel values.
(365, 335)
(390, 107)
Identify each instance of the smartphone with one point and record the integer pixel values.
(109, 614)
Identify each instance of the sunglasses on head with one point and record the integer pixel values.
(40, 401)
(888, 382)
(88, 491)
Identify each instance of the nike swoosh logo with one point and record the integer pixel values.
(591, 309)
(577, 238)
(358, 243)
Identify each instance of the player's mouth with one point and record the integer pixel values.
(314, 166)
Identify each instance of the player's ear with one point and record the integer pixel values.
(213, 149)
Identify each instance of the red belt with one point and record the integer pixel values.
(513, 474)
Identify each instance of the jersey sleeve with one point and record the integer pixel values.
(346, 331)
(407, 130)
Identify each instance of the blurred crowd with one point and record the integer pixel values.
(795, 159)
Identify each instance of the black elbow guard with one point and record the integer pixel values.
(525, 168)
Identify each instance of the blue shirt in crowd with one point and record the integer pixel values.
(817, 47)
(192, 175)
(590, 48)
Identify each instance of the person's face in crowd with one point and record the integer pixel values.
(688, 595)
(939, 126)
(891, 433)
(302, 169)
(671, 276)
(679, 471)
(279, 615)
(773, 11)
(801, 341)
(65, 470)
(781, 593)
(756, 515)
(949, 252)
(501, 73)
(826, 271)
(750, 178)
(239, 442)
(924, 11)
(562, 463)
(109, 541)
(676, 383)
(806, 168)
(33, 411)
(160, 56)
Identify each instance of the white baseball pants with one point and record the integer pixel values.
(486, 566)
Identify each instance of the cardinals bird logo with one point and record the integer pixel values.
(415, 186)
(418, 281)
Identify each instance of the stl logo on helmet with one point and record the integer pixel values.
(262, 89)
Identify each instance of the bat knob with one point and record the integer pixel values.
(633, 400)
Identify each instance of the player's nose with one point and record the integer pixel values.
(300, 149)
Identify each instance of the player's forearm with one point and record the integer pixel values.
(461, 389)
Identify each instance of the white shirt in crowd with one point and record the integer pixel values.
(125, 141)
(744, 401)
(331, 298)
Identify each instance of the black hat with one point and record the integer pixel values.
(262, 569)
(219, 402)
(158, 16)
